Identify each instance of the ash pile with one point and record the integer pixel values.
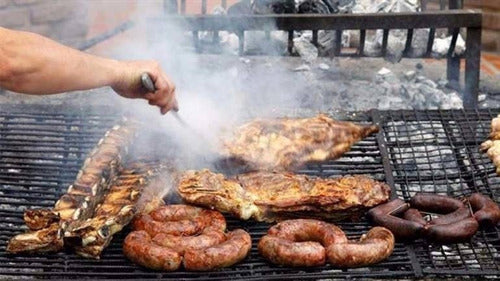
(385, 87)
(350, 38)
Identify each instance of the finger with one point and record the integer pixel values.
(164, 110)
(149, 96)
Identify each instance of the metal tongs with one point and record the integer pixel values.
(148, 84)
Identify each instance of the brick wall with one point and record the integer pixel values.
(62, 20)
(491, 22)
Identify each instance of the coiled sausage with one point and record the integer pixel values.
(232, 251)
(375, 246)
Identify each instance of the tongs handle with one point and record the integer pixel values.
(148, 84)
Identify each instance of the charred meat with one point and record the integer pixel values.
(269, 196)
(90, 237)
(284, 144)
(81, 199)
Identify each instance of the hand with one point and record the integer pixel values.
(128, 84)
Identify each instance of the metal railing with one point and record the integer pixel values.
(454, 19)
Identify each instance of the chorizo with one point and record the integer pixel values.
(435, 203)
(295, 254)
(179, 220)
(456, 232)
(299, 230)
(152, 227)
(231, 251)
(139, 248)
(180, 244)
(299, 242)
(375, 246)
(486, 211)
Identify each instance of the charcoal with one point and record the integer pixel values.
(313, 7)
(273, 7)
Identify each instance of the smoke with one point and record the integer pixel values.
(215, 92)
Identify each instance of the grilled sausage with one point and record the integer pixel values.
(179, 220)
(394, 207)
(299, 242)
(180, 244)
(185, 212)
(457, 215)
(435, 203)
(375, 246)
(296, 254)
(233, 250)
(299, 230)
(139, 248)
(456, 232)
(403, 229)
(152, 227)
(415, 216)
(486, 211)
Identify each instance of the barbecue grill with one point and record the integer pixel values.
(42, 150)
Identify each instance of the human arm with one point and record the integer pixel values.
(33, 64)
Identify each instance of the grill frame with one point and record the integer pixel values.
(379, 156)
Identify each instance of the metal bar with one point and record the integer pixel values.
(423, 4)
(409, 40)
(315, 37)
(338, 42)
(439, 19)
(455, 4)
(442, 5)
(224, 3)
(183, 7)
(170, 7)
(382, 146)
(453, 63)
(453, 72)
(241, 42)
(196, 41)
(472, 67)
(362, 39)
(290, 41)
(430, 42)
(385, 39)
(203, 7)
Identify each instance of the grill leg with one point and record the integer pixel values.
(472, 67)
(453, 72)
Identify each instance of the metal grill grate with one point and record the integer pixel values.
(437, 151)
(41, 153)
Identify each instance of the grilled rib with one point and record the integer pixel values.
(89, 238)
(284, 144)
(269, 196)
(82, 196)
(492, 145)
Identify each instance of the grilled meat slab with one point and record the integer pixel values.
(82, 197)
(89, 238)
(270, 196)
(284, 144)
(492, 145)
